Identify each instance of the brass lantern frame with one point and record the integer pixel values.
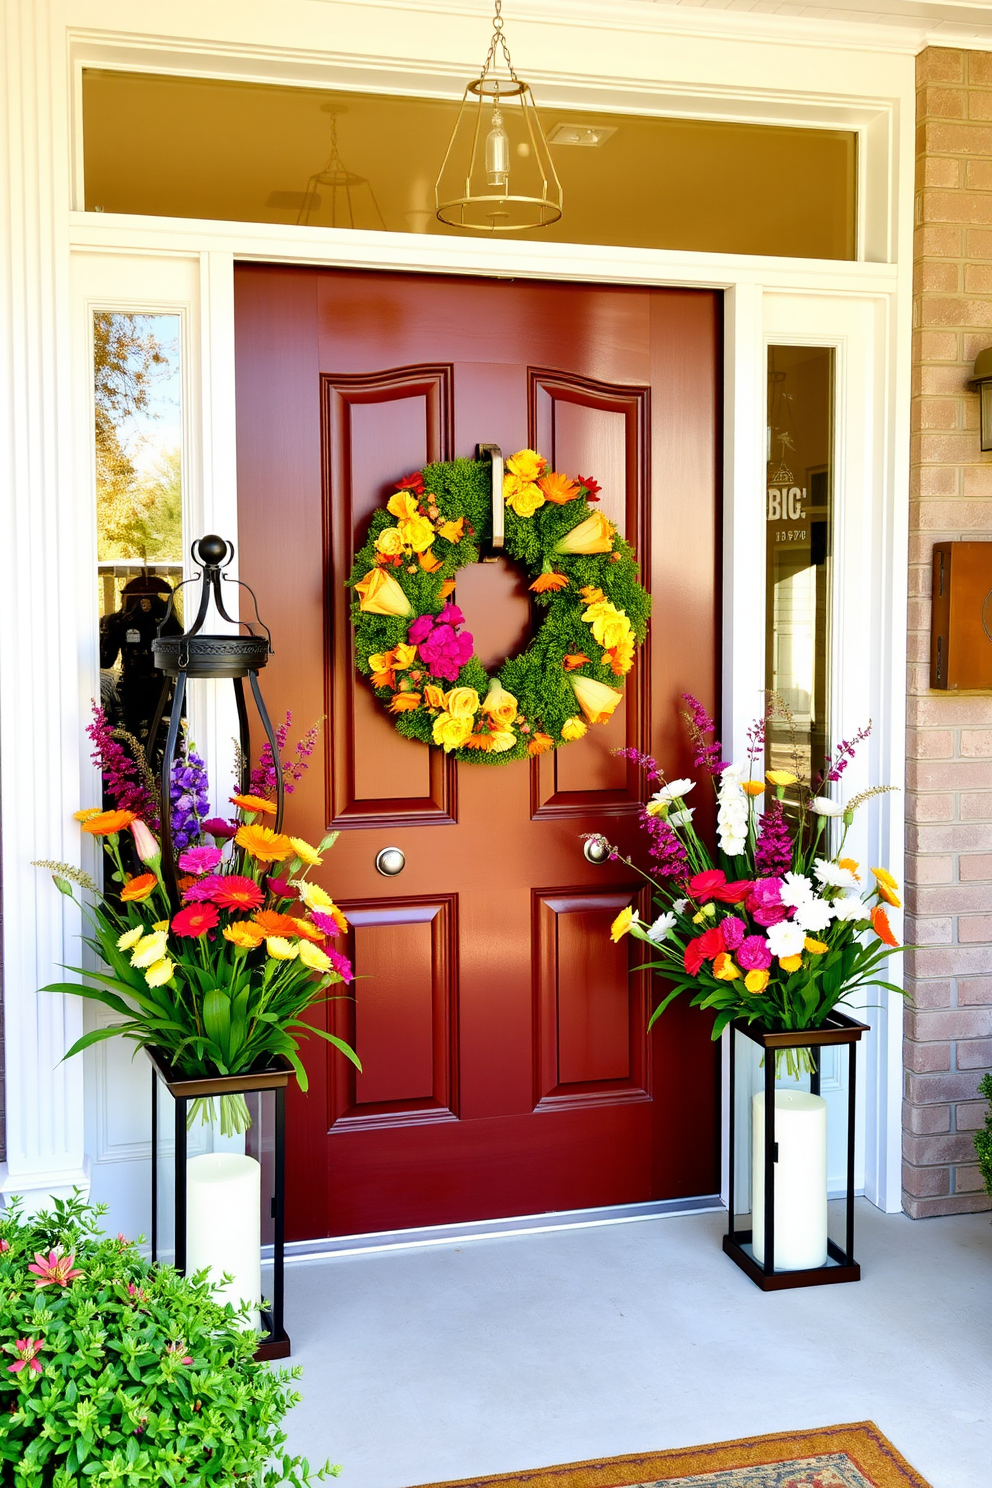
(463, 197)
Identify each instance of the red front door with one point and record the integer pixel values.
(505, 1064)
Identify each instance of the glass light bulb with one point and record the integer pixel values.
(497, 152)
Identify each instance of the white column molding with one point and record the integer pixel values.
(39, 704)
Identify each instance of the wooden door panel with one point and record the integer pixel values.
(377, 426)
(506, 1068)
(400, 1018)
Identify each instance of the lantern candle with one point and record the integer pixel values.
(800, 1239)
(223, 1225)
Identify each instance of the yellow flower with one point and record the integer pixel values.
(87, 813)
(499, 704)
(161, 925)
(433, 696)
(381, 595)
(752, 787)
(610, 626)
(244, 935)
(462, 702)
(449, 732)
(307, 853)
(403, 656)
(790, 963)
(706, 913)
(885, 877)
(160, 972)
(596, 700)
(756, 981)
(264, 844)
(453, 532)
(815, 947)
(149, 949)
(527, 464)
(851, 864)
(573, 728)
(622, 923)
(402, 505)
(417, 533)
(522, 496)
(724, 969)
(281, 949)
(314, 957)
(594, 535)
(620, 657)
(429, 561)
(130, 938)
(389, 542)
(314, 897)
(780, 777)
(502, 740)
(884, 892)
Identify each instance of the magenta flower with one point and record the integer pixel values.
(263, 777)
(179, 1348)
(764, 903)
(26, 1350)
(219, 829)
(340, 963)
(325, 922)
(283, 889)
(773, 849)
(444, 652)
(451, 615)
(753, 954)
(200, 859)
(420, 629)
(732, 930)
(56, 1270)
(699, 723)
(136, 1293)
(4, 1245)
(205, 889)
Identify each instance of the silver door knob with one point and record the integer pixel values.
(390, 861)
(596, 850)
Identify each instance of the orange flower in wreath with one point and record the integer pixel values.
(558, 488)
(577, 659)
(405, 702)
(546, 581)
(540, 744)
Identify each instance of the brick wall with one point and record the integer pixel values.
(949, 744)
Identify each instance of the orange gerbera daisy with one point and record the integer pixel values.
(264, 844)
(271, 922)
(244, 934)
(137, 889)
(479, 741)
(308, 931)
(405, 702)
(577, 659)
(539, 744)
(882, 928)
(87, 813)
(558, 488)
(546, 581)
(254, 803)
(884, 892)
(109, 823)
(186, 882)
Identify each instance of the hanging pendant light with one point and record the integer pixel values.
(497, 174)
(336, 196)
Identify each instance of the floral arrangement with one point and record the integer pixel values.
(115, 1371)
(410, 638)
(779, 930)
(219, 984)
(983, 1137)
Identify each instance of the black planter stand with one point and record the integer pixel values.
(840, 1264)
(274, 1080)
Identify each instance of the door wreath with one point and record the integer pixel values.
(410, 639)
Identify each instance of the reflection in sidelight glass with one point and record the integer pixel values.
(138, 459)
(798, 527)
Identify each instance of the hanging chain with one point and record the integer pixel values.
(499, 40)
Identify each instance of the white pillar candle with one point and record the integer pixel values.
(223, 1224)
(800, 1240)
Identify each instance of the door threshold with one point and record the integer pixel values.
(300, 1251)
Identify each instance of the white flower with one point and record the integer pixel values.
(732, 815)
(673, 791)
(786, 939)
(681, 818)
(850, 907)
(823, 806)
(815, 914)
(833, 876)
(796, 889)
(662, 927)
(680, 906)
(149, 949)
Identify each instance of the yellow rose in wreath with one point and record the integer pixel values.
(462, 702)
(527, 464)
(523, 496)
(416, 533)
(499, 704)
(449, 732)
(389, 543)
(380, 594)
(402, 505)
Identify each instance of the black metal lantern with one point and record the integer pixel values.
(783, 1134)
(214, 658)
(217, 658)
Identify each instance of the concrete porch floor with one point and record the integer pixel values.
(519, 1352)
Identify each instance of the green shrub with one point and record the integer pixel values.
(118, 1372)
(983, 1139)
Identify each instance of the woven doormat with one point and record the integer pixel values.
(852, 1456)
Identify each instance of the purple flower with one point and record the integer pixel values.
(773, 849)
(200, 859)
(838, 760)
(340, 963)
(753, 954)
(765, 902)
(646, 761)
(670, 858)
(706, 756)
(263, 777)
(732, 930)
(756, 741)
(123, 780)
(189, 795)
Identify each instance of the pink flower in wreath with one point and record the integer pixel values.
(753, 954)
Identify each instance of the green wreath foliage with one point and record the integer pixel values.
(536, 677)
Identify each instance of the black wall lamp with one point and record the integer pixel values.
(982, 383)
